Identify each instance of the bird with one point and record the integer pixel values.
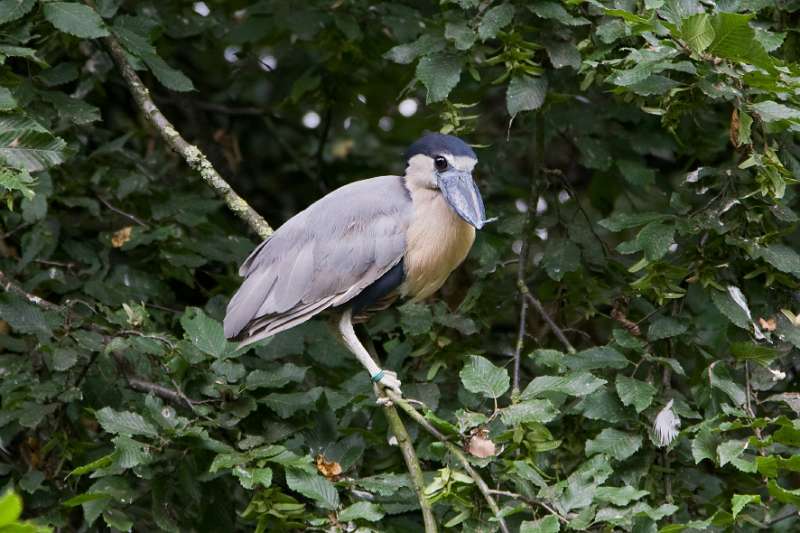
(363, 246)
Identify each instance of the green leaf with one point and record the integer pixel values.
(619, 495)
(169, 77)
(617, 444)
(10, 508)
(548, 524)
(719, 380)
(384, 484)
(26, 145)
(738, 502)
(17, 181)
(253, 477)
(574, 384)
(7, 100)
(753, 352)
(783, 495)
(656, 239)
(205, 333)
(125, 423)
(560, 257)
(129, 452)
(314, 486)
(730, 450)
(771, 111)
(622, 220)
(728, 307)
(781, 257)
(734, 39)
(633, 392)
(460, 33)
(11, 10)
(541, 411)
(597, 357)
(480, 376)
(698, 32)
(415, 318)
(285, 405)
(494, 20)
(704, 446)
(76, 19)
(428, 43)
(665, 327)
(117, 520)
(277, 377)
(555, 11)
(22, 316)
(368, 511)
(439, 73)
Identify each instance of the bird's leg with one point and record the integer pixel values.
(386, 378)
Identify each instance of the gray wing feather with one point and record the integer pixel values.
(322, 257)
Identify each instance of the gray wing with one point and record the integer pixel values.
(322, 257)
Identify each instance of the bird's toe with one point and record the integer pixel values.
(390, 381)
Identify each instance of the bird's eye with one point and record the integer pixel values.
(440, 162)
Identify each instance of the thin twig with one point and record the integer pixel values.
(176, 397)
(546, 316)
(323, 139)
(10, 286)
(520, 497)
(193, 156)
(527, 230)
(119, 211)
(453, 449)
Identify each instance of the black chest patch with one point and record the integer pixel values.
(379, 288)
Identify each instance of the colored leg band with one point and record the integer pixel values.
(377, 377)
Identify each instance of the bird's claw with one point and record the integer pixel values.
(389, 381)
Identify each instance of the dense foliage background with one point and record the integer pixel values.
(641, 158)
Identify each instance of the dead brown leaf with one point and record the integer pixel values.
(734, 130)
(121, 236)
(480, 445)
(330, 469)
(769, 324)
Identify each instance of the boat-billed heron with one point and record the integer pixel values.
(359, 248)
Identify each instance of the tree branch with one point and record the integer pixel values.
(193, 156)
(406, 448)
(557, 331)
(10, 286)
(455, 450)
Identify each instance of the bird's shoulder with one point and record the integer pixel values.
(375, 207)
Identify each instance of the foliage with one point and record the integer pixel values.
(641, 158)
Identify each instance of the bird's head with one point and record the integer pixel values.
(445, 163)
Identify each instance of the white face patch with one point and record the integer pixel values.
(461, 162)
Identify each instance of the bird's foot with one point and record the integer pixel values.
(388, 380)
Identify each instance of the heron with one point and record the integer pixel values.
(362, 247)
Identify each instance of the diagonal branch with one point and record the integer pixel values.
(455, 450)
(547, 318)
(10, 286)
(193, 156)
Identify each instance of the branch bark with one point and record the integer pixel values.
(453, 449)
(10, 286)
(406, 447)
(557, 331)
(193, 156)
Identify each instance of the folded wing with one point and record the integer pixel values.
(322, 257)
